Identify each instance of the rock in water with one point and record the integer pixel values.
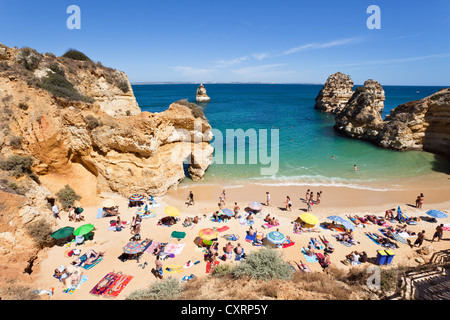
(201, 95)
(361, 116)
(335, 93)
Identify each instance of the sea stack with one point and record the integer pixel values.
(201, 95)
(335, 94)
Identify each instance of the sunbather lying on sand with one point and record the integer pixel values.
(88, 258)
(328, 247)
(310, 250)
(62, 274)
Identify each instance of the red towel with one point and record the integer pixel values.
(224, 228)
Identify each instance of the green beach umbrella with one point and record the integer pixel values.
(62, 233)
(84, 229)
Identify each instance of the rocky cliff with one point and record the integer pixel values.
(361, 116)
(335, 94)
(80, 120)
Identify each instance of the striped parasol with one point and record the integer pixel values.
(133, 247)
(228, 212)
(136, 197)
(255, 206)
(335, 219)
(172, 211)
(207, 234)
(276, 237)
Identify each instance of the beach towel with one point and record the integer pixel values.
(173, 269)
(152, 247)
(373, 238)
(249, 238)
(347, 244)
(70, 289)
(268, 226)
(289, 244)
(446, 227)
(99, 213)
(309, 258)
(208, 266)
(96, 262)
(178, 235)
(231, 237)
(302, 267)
(111, 285)
(224, 228)
(317, 247)
(173, 248)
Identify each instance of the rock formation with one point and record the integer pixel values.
(419, 125)
(82, 125)
(335, 93)
(201, 95)
(361, 117)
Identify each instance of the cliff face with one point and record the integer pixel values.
(423, 124)
(335, 93)
(80, 122)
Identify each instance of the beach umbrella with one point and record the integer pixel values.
(207, 234)
(172, 211)
(256, 206)
(309, 218)
(276, 237)
(336, 219)
(348, 225)
(133, 247)
(84, 229)
(62, 233)
(136, 197)
(436, 214)
(109, 203)
(228, 212)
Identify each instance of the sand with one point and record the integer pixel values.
(335, 201)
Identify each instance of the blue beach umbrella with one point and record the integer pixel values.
(436, 214)
(276, 237)
(348, 225)
(336, 219)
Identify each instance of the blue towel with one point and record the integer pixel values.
(99, 213)
(308, 257)
(250, 238)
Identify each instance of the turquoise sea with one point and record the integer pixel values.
(307, 140)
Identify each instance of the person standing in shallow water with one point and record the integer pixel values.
(355, 167)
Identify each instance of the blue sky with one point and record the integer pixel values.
(247, 40)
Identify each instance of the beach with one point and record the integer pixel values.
(339, 201)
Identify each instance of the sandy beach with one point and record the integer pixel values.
(335, 201)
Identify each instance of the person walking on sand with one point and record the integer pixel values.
(224, 196)
(310, 203)
(288, 204)
(439, 232)
(307, 195)
(55, 211)
(236, 210)
(267, 198)
(419, 201)
(190, 199)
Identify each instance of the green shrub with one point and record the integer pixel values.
(29, 58)
(92, 122)
(222, 270)
(263, 264)
(197, 112)
(76, 55)
(168, 289)
(18, 165)
(40, 231)
(56, 69)
(59, 86)
(67, 197)
(123, 85)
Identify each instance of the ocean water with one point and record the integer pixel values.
(307, 140)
